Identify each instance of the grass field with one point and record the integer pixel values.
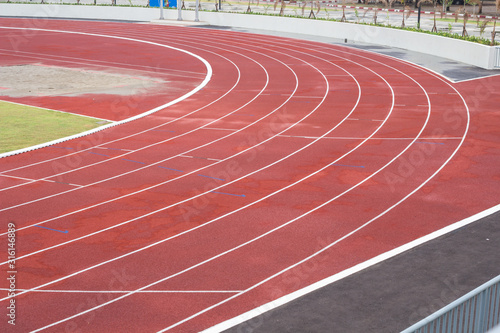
(24, 126)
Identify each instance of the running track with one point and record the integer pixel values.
(296, 161)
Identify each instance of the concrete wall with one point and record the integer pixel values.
(470, 53)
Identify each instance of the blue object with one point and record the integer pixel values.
(39, 226)
(166, 3)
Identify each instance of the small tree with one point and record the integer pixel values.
(466, 18)
(343, 19)
(446, 5)
(472, 3)
(493, 33)
(406, 12)
(311, 13)
(365, 12)
(483, 25)
(283, 5)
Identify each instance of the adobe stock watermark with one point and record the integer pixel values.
(11, 273)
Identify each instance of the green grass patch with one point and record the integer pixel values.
(24, 126)
(461, 21)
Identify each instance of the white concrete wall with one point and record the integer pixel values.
(470, 53)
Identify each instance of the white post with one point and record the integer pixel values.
(161, 10)
(197, 19)
(179, 10)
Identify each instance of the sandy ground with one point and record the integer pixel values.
(42, 80)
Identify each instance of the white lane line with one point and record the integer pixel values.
(107, 148)
(374, 138)
(365, 119)
(220, 129)
(201, 158)
(34, 180)
(192, 92)
(301, 96)
(62, 291)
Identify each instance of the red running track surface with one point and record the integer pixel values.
(297, 161)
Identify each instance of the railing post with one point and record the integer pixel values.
(196, 11)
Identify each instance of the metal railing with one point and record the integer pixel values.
(476, 312)
(497, 57)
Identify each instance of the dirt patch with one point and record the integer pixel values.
(42, 80)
